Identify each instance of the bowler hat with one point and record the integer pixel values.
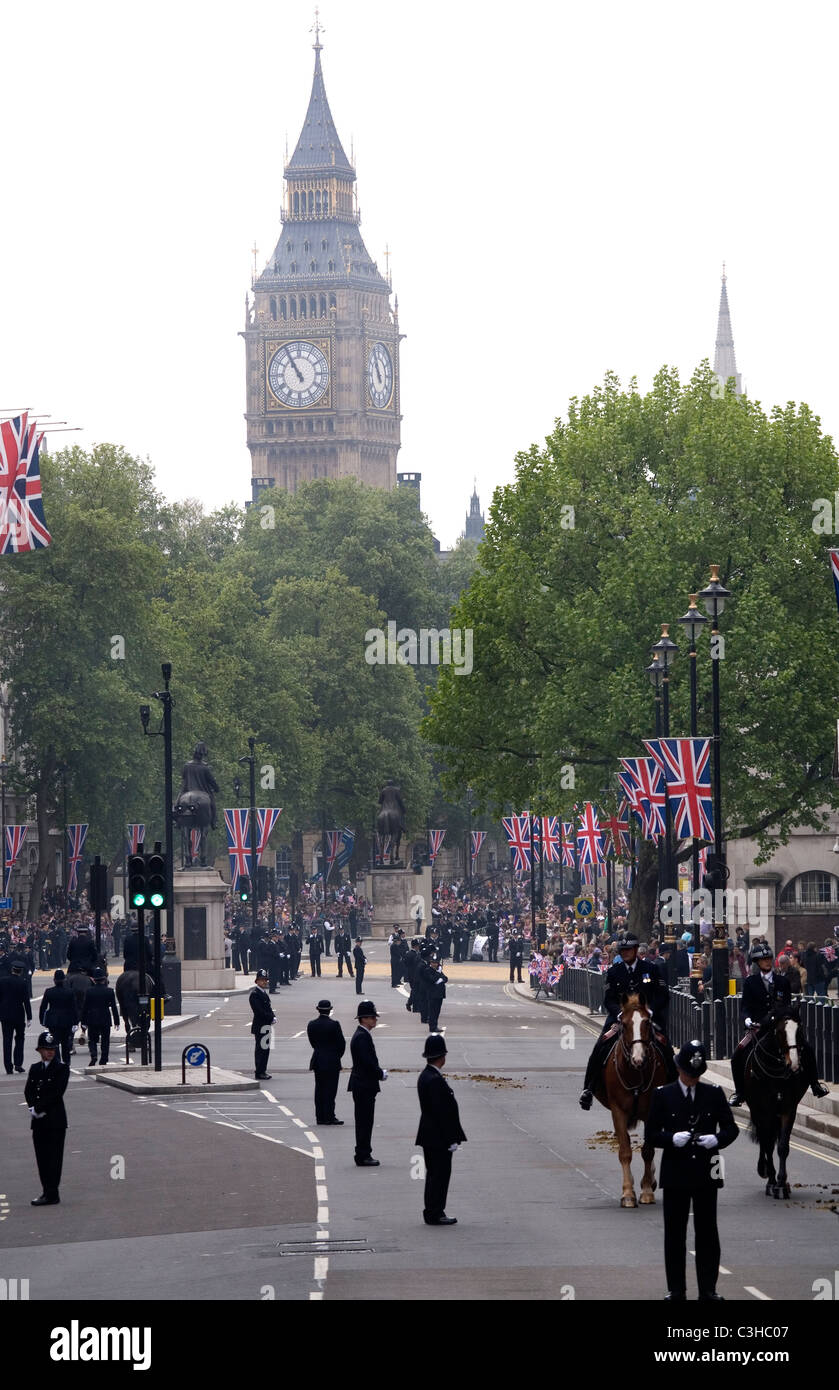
(435, 1045)
(324, 1007)
(366, 1009)
(45, 1040)
(691, 1058)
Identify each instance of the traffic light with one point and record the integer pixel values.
(156, 879)
(716, 873)
(137, 887)
(244, 888)
(262, 883)
(98, 890)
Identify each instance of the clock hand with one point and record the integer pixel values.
(296, 368)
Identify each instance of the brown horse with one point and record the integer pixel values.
(632, 1071)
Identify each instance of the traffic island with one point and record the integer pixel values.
(145, 1081)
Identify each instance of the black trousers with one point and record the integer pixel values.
(344, 956)
(676, 1202)
(515, 965)
(359, 979)
(434, 1007)
(64, 1038)
(49, 1156)
(365, 1111)
(314, 964)
(261, 1054)
(97, 1034)
(438, 1171)
(327, 942)
(326, 1089)
(13, 1038)
(492, 950)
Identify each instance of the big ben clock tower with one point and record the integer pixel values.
(321, 339)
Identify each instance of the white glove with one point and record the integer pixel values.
(453, 1148)
(384, 1073)
(680, 1139)
(707, 1141)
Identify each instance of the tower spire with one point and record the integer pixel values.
(725, 363)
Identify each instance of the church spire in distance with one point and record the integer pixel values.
(725, 364)
(319, 147)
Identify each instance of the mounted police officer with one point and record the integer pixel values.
(629, 975)
(691, 1122)
(767, 993)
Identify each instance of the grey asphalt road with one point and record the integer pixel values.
(239, 1197)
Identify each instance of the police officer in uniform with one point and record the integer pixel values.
(629, 975)
(360, 962)
(58, 1013)
(439, 1131)
(691, 1122)
(342, 944)
(99, 1007)
(364, 1083)
(762, 993)
(435, 988)
(15, 1013)
(516, 955)
(328, 1047)
(44, 1091)
(410, 968)
(263, 1017)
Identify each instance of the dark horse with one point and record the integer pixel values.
(127, 990)
(632, 1071)
(390, 822)
(774, 1085)
(195, 807)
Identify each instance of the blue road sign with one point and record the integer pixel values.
(6, 904)
(196, 1056)
(584, 907)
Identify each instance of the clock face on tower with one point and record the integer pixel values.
(380, 376)
(298, 374)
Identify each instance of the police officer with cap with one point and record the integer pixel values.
(629, 975)
(15, 1015)
(439, 1131)
(364, 1083)
(767, 991)
(691, 1122)
(263, 1017)
(328, 1047)
(44, 1091)
(98, 1008)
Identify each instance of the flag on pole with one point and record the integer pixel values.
(237, 823)
(347, 846)
(22, 523)
(478, 837)
(834, 569)
(435, 843)
(194, 843)
(568, 844)
(617, 830)
(266, 819)
(686, 766)
(589, 836)
(551, 839)
(586, 872)
(517, 830)
(649, 801)
(76, 834)
(15, 836)
(333, 845)
(136, 836)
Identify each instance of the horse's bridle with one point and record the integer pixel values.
(778, 1069)
(625, 1052)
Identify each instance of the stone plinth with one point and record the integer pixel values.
(199, 929)
(395, 895)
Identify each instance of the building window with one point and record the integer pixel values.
(326, 206)
(323, 306)
(333, 303)
(313, 306)
(313, 265)
(323, 246)
(811, 890)
(293, 267)
(311, 426)
(302, 306)
(293, 307)
(283, 861)
(289, 246)
(283, 308)
(330, 425)
(296, 204)
(331, 265)
(306, 247)
(273, 308)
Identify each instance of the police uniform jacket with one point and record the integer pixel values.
(262, 1011)
(670, 1112)
(757, 1001)
(341, 942)
(315, 946)
(14, 999)
(328, 1043)
(434, 981)
(359, 957)
(439, 1125)
(45, 1087)
(410, 966)
(366, 1072)
(644, 976)
(81, 953)
(516, 949)
(99, 1007)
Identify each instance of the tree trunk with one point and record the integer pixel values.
(42, 817)
(644, 900)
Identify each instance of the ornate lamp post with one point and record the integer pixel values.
(657, 672)
(714, 596)
(694, 622)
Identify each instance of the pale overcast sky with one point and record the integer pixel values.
(558, 184)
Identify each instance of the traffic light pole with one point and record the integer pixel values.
(254, 893)
(141, 987)
(158, 995)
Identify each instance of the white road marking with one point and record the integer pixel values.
(300, 1034)
(757, 1294)
(321, 1266)
(322, 1216)
(268, 1096)
(320, 1175)
(301, 1123)
(322, 1194)
(317, 1151)
(312, 1138)
(315, 1297)
(285, 1109)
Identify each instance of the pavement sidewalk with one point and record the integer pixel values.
(817, 1120)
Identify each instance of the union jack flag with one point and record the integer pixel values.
(587, 873)
(554, 975)
(629, 876)
(15, 836)
(551, 839)
(136, 836)
(237, 822)
(630, 789)
(266, 819)
(685, 763)
(347, 846)
(834, 567)
(22, 523)
(589, 836)
(568, 844)
(478, 837)
(435, 843)
(703, 863)
(194, 843)
(618, 830)
(518, 832)
(333, 845)
(76, 834)
(649, 799)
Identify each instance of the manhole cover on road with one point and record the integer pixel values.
(321, 1247)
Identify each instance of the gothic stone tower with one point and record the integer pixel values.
(322, 341)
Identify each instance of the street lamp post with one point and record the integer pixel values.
(694, 622)
(656, 672)
(714, 597)
(3, 766)
(251, 762)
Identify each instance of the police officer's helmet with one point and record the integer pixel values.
(691, 1058)
(760, 953)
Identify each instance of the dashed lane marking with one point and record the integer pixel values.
(764, 1297)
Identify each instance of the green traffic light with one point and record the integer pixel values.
(138, 900)
(157, 899)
